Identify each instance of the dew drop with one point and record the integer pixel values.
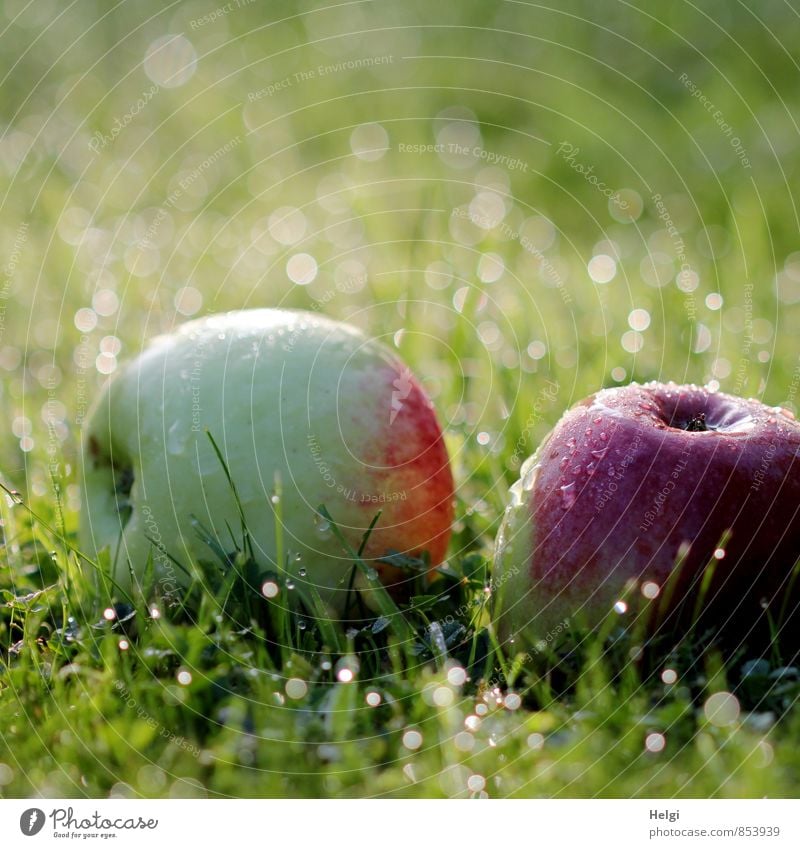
(650, 590)
(302, 572)
(176, 438)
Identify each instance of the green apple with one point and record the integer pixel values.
(296, 403)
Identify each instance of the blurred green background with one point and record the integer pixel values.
(528, 202)
(161, 161)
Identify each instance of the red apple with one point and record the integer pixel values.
(632, 481)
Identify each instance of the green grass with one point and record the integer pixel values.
(96, 707)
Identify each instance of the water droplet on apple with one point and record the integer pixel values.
(563, 462)
(598, 420)
(599, 454)
(569, 494)
(603, 437)
(591, 468)
(323, 526)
